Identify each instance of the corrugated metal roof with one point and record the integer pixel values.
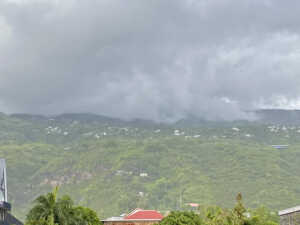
(137, 215)
(288, 211)
(140, 214)
(115, 218)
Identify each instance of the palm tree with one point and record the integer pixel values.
(45, 206)
(49, 208)
(64, 211)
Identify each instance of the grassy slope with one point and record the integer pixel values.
(104, 172)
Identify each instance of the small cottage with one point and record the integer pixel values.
(136, 217)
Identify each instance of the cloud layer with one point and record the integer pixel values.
(151, 59)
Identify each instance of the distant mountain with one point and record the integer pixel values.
(279, 116)
(276, 116)
(114, 165)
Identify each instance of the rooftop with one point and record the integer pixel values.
(139, 215)
(288, 211)
(144, 214)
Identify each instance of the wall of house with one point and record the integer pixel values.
(10, 219)
(290, 219)
(130, 222)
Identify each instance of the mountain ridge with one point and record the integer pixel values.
(262, 115)
(114, 166)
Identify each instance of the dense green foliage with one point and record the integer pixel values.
(182, 218)
(50, 210)
(218, 216)
(114, 166)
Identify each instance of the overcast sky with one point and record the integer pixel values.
(151, 59)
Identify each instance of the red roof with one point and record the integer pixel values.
(140, 214)
(193, 204)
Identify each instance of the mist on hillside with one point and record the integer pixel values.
(158, 60)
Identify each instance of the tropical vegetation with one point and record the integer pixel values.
(51, 210)
(114, 166)
(215, 215)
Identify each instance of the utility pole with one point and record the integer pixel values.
(180, 198)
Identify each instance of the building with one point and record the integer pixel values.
(10, 220)
(136, 217)
(290, 216)
(5, 217)
(280, 146)
(193, 205)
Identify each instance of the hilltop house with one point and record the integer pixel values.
(136, 217)
(290, 216)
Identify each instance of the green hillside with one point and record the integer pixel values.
(114, 166)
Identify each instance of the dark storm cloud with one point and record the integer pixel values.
(154, 59)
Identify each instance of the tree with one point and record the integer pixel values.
(86, 216)
(214, 215)
(50, 210)
(262, 216)
(239, 211)
(45, 208)
(42, 221)
(181, 218)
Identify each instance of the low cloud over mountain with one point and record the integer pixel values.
(158, 59)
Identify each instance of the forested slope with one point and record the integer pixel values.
(114, 166)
